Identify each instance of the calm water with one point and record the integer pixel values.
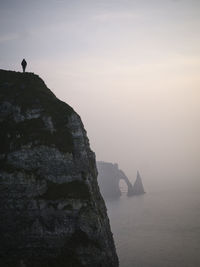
(160, 229)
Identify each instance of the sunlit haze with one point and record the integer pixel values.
(130, 68)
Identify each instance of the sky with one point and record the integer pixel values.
(130, 68)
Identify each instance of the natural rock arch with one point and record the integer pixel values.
(122, 176)
(109, 176)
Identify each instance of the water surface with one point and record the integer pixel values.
(158, 229)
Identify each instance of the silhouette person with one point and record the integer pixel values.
(24, 64)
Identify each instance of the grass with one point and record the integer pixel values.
(28, 91)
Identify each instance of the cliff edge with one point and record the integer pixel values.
(52, 213)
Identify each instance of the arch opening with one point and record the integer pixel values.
(123, 186)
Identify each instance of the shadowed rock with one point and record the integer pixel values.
(52, 213)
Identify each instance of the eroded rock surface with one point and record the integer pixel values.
(51, 210)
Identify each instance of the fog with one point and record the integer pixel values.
(130, 68)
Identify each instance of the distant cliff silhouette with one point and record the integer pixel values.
(109, 176)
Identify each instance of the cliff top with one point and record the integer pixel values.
(28, 88)
(31, 100)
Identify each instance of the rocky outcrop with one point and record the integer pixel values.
(108, 179)
(52, 213)
(138, 188)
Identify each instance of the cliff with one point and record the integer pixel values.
(108, 179)
(51, 210)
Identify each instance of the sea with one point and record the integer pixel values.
(158, 229)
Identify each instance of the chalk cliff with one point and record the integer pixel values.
(108, 179)
(52, 213)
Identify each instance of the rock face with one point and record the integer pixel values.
(108, 179)
(51, 210)
(138, 188)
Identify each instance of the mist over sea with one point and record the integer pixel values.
(158, 229)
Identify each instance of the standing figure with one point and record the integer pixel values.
(24, 64)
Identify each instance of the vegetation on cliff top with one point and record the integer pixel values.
(28, 92)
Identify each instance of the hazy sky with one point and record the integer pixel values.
(130, 68)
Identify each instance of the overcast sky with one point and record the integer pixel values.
(130, 68)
